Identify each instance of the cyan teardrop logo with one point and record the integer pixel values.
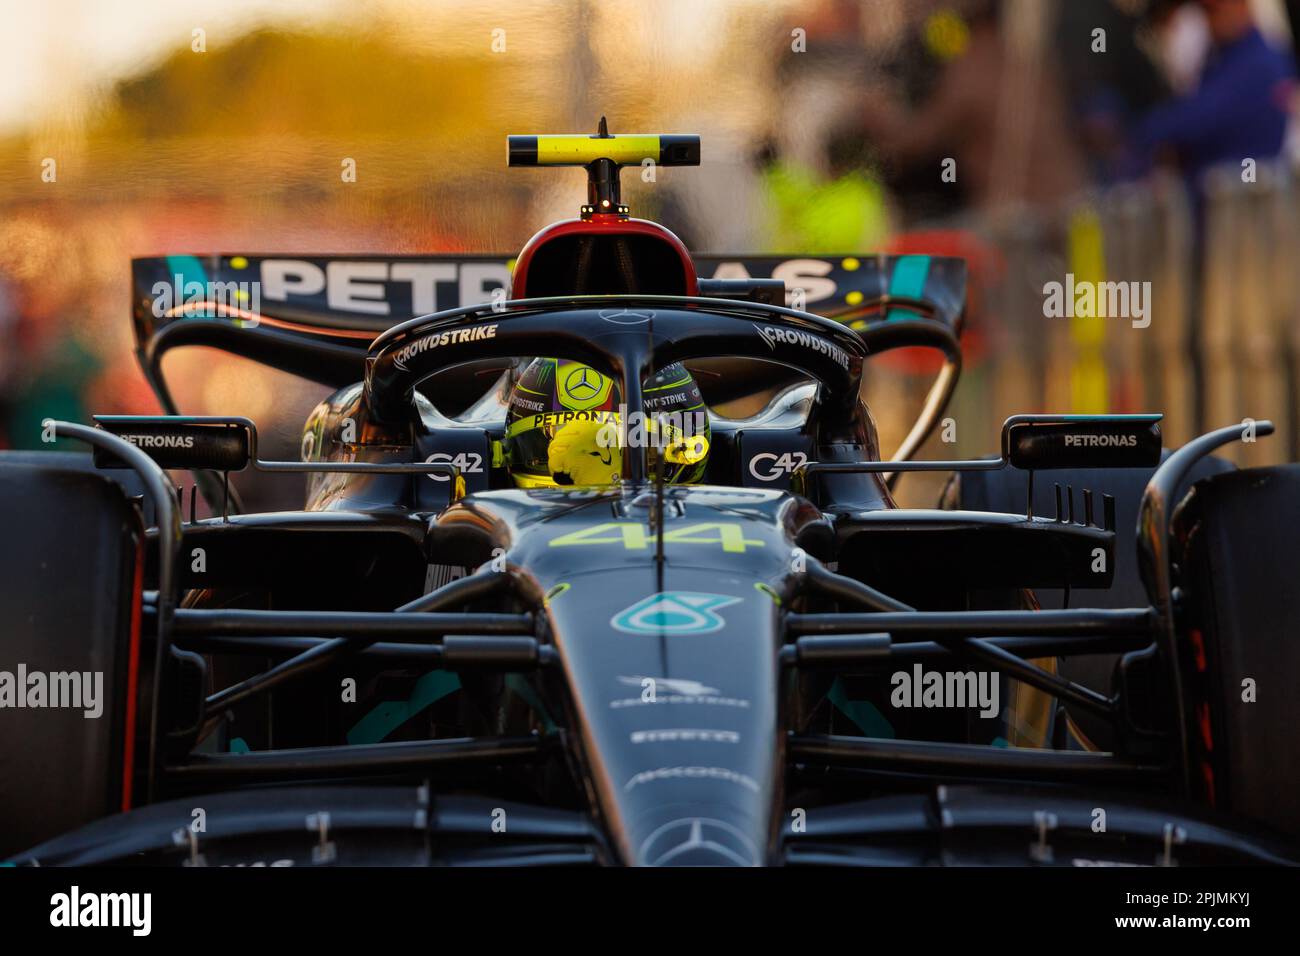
(674, 612)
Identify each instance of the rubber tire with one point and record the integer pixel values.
(70, 569)
(1240, 536)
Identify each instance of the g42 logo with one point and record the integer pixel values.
(728, 535)
(770, 466)
(466, 463)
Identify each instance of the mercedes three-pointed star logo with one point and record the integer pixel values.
(698, 841)
(626, 316)
(582, 383)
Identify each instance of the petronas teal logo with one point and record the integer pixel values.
(674, 612)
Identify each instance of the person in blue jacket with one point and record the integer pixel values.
(1238, 111)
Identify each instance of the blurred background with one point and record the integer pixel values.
(1123, 140)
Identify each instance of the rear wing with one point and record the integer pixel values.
(347, 300)
(860, 290)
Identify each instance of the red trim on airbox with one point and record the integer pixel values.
(600, 224)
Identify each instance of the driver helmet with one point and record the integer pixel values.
(564, 426)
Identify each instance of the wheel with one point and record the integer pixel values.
(1237, 550)
(71, 569)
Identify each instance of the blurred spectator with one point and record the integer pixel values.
(1238, 110)
(816, 78)
(819, 215)
(50, 374)
(997, 111)
(1110, 90)
(1184, 42)
(818, 197)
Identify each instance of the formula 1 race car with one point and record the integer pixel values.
(547, 604)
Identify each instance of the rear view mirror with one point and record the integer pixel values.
(1034, 442)
(190, 443)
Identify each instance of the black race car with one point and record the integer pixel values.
(731, 647)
